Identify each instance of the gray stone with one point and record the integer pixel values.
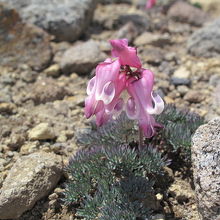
(205, 42)
(53, 70)
(206, 169)
(214, 108)
(214, 80)
(148, 38)
(180, 81)
(22, 43)
(184, 12)
(65, 19)
(81, 58)
(194, 96)
(182, 89)
(152, 55)
(111, 17)
(128, 31)
(181, 72)
(158, 217)
(46, 90)
(43, 131)
(31, 178)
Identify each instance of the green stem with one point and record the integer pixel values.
(141, 139)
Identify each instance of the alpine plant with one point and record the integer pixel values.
(121, 83)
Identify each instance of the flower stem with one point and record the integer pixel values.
(141, 139)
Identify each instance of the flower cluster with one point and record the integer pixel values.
(150, 3)
(117, 78)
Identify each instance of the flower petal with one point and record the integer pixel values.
(91, 85)
(118, 108)
(108, 93)
(106, 72)
(147, 124)
(143, 97)
(102, 117)
(131, 109)
(158, 105)
(127, 55)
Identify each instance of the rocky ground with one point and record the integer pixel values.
(45, 63)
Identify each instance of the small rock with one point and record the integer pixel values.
(53, 70)
(58, 49)
(181, 190)
(214, 80)
(166, 68)
(148, 38)
(194, 96)
(216, 99)
(104, 46)
(29, 147)
(128, 31)
(168, 100)
(29, 76)
(159, 196)
(65, 19)
(43, 131)
(53, 196)
(107, 15)
(206, 169)
(78, 99)
(205, 42)
(46, 90)
(184, 12)
(171, 56)
(181, 72)
(8, 108)
(15, 141)
(82, 58)
(180, 81)
(5, 96)
(158, 217)
(2, 163)
(31, 178)
(62, 137)
(21, 43)
(139, 20)
(153, 55)
(182, 90)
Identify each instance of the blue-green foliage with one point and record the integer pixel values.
(115, 132)
(179, 126)
(111, 179)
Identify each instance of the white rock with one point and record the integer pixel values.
(65, 19)
(41, 132)
(31, 178)
(206, 169)
(82, 58)
(182, 72)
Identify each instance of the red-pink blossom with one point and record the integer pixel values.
(126, 55)
(114, 77)
(150, 3)
(142, 99)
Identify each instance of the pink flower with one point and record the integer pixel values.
(140, 105)
(127, 55)
(103, 91)
(150, 3)
(113, 77)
